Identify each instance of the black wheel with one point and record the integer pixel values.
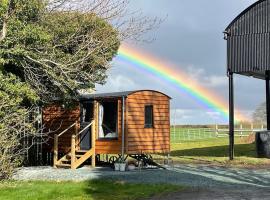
(112, 160)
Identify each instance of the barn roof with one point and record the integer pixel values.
(114, 94)
(260, 7)
(248, 41)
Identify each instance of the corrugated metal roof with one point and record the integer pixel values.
(113, 95)
(248, 41)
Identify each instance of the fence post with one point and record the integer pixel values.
(55, 151)
(241, 129)
(262, 126)
(174, 132)
(216, 130)
(252, 128)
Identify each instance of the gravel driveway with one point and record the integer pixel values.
(205, 182)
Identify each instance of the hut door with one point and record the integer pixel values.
(87, 114)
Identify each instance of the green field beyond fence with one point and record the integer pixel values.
(184, 133)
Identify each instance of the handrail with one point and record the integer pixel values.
(64, 131)
(73, 144)
(85, 128)
(55, 146)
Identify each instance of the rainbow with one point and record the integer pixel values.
(177, 79)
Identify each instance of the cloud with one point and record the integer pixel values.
(205, 79)
(117, 83)
(191, 116)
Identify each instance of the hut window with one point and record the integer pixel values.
(108, 120)
(148, 116)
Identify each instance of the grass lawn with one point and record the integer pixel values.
(215, 151)
(92, 190)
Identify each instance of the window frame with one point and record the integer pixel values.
(117, 117)
(152, 116)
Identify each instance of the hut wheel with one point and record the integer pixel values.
(112, 159)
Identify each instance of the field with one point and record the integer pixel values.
(205, 146)
(92, 190)
(180, 134)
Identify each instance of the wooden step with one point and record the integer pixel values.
(81, 151)
(66, 162)
(83, 158)
(63, 165)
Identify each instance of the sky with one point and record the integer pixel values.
(191, 39)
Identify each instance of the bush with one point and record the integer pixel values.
(14, 96)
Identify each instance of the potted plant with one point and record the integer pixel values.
(122, 165)
(117, 165)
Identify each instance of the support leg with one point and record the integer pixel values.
(231, 116)
(267, 82)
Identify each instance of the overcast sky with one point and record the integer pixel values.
(191, 38)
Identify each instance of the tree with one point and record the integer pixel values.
(62, 46)
(259, 115)
(14, 95)
(56, 52)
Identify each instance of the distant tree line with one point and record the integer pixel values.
(259, 115)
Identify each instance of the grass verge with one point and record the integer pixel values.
(91, 190)
(215, 151)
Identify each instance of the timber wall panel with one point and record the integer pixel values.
(55, 120)
(148, 140)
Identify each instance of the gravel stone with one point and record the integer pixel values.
(204, 182)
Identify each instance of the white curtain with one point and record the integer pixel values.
(100, 121)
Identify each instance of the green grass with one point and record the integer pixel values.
(92, 190)
(215, 151)
(180, 134)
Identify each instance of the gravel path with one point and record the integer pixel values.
(205, 182)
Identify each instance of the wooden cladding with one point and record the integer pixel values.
(139, 138)
(144, 139)
(55, 120)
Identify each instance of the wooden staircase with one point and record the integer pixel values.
(76, 157)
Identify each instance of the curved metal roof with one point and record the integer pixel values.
(248, 41)
(115, 94)
(245, 12)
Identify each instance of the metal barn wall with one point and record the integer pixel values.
(248, 40)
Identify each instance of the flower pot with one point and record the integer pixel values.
(122, 167)
(116, 166)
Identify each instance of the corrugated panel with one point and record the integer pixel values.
(248, 41)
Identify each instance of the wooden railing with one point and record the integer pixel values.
(76, 162)
(56, 139)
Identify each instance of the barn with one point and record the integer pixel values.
(248, 45)
(121, 123)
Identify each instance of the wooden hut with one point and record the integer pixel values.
(123, 123)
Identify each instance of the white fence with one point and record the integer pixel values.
(179, 134)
